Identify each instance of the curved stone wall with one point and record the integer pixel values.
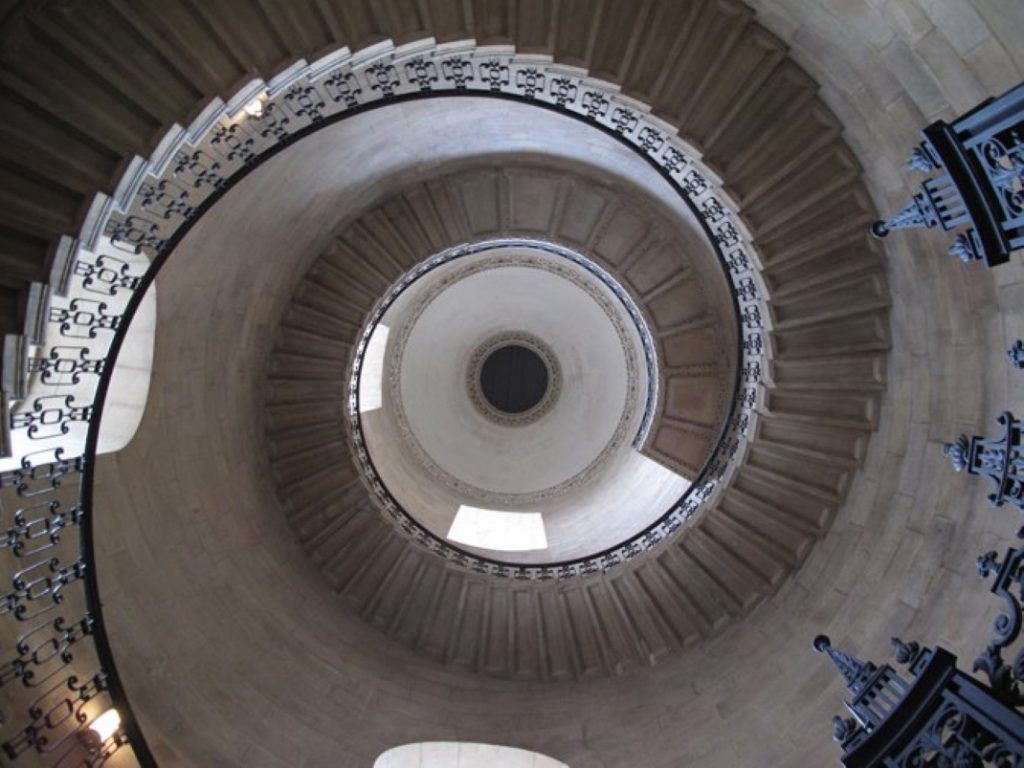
(264, 671)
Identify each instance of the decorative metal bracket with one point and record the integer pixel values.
(1001, 459)
(979, 158)
(1007, 681)
(877, 691)
(1016, 355)
(940, 718)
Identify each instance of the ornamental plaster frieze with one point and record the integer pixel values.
(474, 372)
(631, 407)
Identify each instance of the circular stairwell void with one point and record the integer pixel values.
(444, 452)
(391, 210)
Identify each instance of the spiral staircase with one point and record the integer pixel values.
(637, 615)
(261, 607)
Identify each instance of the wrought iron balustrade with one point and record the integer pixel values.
(979, 159)
(56, 654)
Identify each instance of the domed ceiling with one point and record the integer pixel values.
(281, 568)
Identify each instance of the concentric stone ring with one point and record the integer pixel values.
(486, 352)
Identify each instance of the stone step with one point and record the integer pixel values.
(309, 437)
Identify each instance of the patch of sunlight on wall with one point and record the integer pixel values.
(371, 382)
(504, 531)
(460, 754)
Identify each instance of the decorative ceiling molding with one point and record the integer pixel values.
(630, 407)
(475, 370)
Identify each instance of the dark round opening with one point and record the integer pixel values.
(513, 379)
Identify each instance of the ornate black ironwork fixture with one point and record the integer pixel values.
(875, 690)
(1016, 354)
(981, 156)
(61, 657)
(938, 717)
(1001, 459)
(1007, 681)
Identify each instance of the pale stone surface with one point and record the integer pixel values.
(129, 384)
(594, 385)
(574, 464)
(267, 671)
(448, 754)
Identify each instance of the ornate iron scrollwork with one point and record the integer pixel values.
(50, 416)
(624, 120)
(200, 168)
(63, 366)
(458, 71)
(134, 234)
(651, 141)
(383, 79)
(84, 318)
(344, 88)
(37, 528)
(530, 81)
(751, 317)
(305, 101)
(35, 479)
(106, 275)
(1007, 680)
(958, 737)
(44, 650)
(38, 587)
(596, 105)
(273, 123)
(233, 142)
(695, 184)
(1003, 157)
(166, 198)
(726, 234)
(563, 90)
(58, 714)
(495, 74)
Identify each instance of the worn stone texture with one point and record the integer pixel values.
(233, 647)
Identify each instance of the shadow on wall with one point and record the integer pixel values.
(458, 754)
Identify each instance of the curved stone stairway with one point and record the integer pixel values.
(76, 85)
(85, 86)
(448, 612)
(781, 501)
